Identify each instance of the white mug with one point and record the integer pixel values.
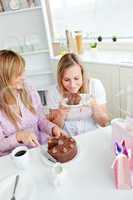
(20, 156)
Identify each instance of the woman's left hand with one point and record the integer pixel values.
(99, 113)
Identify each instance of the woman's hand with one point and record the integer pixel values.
(56, 132)
(99, 113)
(27, 137)
(61, 112)
(58, 116)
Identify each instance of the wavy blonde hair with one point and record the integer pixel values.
(12, 65)
(65, 62)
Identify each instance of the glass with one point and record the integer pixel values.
(33, 42)
(79, 42)
(13, 4)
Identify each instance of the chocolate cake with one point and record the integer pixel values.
(63, 148)
(74, 99)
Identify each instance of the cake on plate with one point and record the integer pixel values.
(63, 148)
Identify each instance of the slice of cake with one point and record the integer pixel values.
(73, 99)
(63, 148)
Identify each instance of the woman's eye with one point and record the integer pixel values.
(76, 79)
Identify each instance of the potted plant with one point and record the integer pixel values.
(99, 38)
(114, 38)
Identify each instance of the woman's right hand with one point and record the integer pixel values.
(58, 113)
(27, 137)
(58, 116)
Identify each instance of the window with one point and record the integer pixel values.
(93, 17)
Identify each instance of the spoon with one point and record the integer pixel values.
(15, 186)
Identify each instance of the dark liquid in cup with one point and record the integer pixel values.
(20, 153)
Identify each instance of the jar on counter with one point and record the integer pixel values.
(79, 42)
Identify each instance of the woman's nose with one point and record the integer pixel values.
(72, 83)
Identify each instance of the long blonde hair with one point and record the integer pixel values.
(12, 65)
(65, 62)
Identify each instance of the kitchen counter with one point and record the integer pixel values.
(106, 57)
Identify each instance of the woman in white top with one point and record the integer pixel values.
(72, 78)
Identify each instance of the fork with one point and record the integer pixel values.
(15, 186)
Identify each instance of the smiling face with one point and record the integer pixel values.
(72, 79)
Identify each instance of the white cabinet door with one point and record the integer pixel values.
(109, 75)
(126, 88)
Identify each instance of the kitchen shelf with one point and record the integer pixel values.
(35, 52)
(25, 23)
(19, 11)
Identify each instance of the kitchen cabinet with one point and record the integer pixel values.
(109, 75)
(26, 31)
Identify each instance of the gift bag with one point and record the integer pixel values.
(121, 166)
(122, 173)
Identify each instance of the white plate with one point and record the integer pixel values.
(85, 101)
(50, 163)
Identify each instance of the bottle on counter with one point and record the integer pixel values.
(71, 46)
(79, 42)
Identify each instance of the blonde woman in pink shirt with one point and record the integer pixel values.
(21, 113)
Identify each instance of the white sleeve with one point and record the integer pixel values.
(98, 90)
(53, 97)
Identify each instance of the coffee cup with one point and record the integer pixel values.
(20, 156)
